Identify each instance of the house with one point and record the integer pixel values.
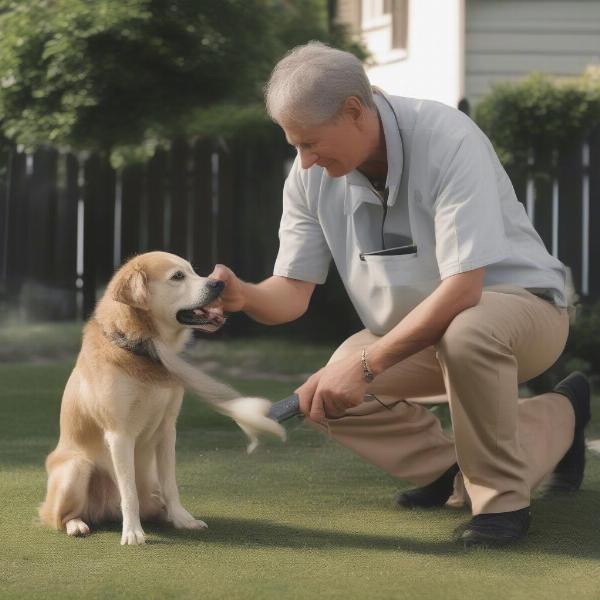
(454, 51)
(451, 50)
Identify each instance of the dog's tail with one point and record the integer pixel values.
(249, 413)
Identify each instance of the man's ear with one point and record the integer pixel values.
(132, 288)
(353, 108)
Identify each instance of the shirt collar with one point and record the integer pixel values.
(395, 158)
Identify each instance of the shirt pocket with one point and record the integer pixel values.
(399, 271)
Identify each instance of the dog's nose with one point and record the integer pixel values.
(216, 284)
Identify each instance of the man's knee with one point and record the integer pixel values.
(466, 337)
(353, 345)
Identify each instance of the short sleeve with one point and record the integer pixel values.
(469, 227)
(303, 250)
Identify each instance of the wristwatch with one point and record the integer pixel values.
(368, 375)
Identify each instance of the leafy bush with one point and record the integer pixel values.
(539, 112)
(97, 74)
(582, 352)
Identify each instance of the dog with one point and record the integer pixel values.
(115, 456)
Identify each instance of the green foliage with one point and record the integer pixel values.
(539, 112)
(78, 71)
(584, 343)
(582, 352)
(99, 74)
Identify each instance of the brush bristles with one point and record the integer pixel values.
(249, 413)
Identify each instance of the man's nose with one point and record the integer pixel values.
(307, 158)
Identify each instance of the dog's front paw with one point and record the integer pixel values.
(182, 519)
(133, 536)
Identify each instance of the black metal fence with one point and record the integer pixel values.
(67, 221)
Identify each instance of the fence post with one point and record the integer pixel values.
(570, 177)
(178, 195)
(202, 207)
(594, 213)
(98, 229)
(65, 256)
(18, 230)
(42, 226)
(542, 173)
(225, 230)
(156, 173)
(5, 208)
(132, 193)
(518, 175)
(247, 242)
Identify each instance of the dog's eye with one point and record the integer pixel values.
(178, 276)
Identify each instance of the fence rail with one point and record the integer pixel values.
(560, 188)
(67, 221)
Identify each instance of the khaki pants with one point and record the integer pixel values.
(504, 445)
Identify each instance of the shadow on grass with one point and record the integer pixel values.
(260, 533)
(565, 525)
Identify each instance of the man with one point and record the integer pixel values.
(456, 291)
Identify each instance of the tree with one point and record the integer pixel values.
(99, 73)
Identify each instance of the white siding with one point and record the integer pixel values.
(507, 39)
(431, 65)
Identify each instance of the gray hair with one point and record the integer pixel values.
(310, 84)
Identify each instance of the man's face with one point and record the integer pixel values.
(339, 146)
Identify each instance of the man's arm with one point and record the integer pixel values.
(273, 301)
(277, 299)
(340, 385)
(427, 322)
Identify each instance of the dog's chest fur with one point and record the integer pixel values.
(149, 408)
(122, 403)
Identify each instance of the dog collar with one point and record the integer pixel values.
(144, 348)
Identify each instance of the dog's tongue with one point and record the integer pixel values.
(213, 311)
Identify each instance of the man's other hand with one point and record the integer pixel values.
(328, 393)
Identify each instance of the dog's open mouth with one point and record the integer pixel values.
(208, 318)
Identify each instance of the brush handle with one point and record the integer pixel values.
(290, 407)
(285, 409)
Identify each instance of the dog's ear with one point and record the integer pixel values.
(132, 288)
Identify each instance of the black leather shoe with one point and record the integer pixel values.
(568, 473)
(494, 530)
(434, 495)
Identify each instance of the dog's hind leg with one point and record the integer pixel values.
(152, 505)
(76, 527)
(103, 498)
(67, 496)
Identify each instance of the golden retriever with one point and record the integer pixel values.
(116, 454)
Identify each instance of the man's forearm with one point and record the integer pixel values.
(426, 324)
(277, 300)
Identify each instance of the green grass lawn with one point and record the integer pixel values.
(302, 520)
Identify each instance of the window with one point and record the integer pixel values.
(388, 18)
(374, 12)
(399, 10)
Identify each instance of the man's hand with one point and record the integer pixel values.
(335, 388)
(233, 296)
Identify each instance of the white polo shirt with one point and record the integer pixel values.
(447, 191)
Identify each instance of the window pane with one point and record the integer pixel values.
(399, 23)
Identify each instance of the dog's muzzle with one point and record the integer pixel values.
(208, 313)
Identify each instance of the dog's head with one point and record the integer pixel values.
(170, 291)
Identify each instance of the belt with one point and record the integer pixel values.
(544, 296)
